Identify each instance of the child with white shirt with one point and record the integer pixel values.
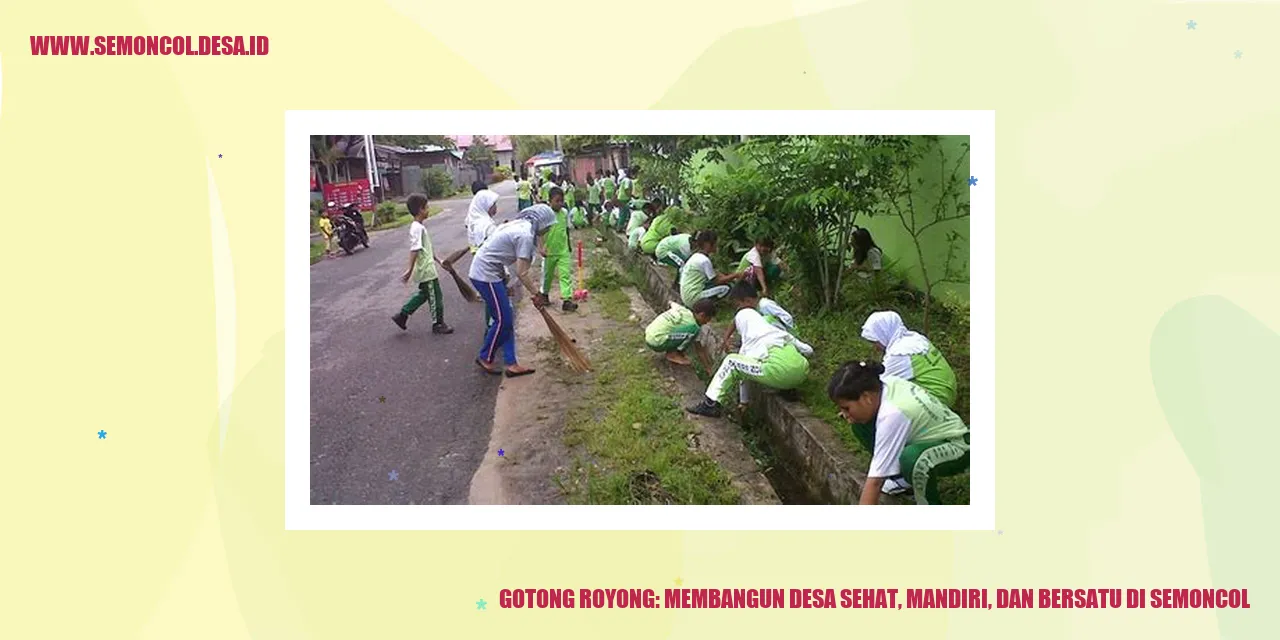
(768, 356)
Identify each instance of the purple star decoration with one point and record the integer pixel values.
(501, 453)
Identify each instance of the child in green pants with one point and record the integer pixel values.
(674, 330)
(769, 356)
(422, 270)
(559, 259)
(916, 437)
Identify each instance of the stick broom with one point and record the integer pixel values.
(577, 360)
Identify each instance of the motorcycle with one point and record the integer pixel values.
(352, 213)
(348, 234)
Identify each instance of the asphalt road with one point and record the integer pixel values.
(386, 403)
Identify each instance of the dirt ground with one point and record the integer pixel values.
(530, 413)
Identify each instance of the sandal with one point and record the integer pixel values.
(517, 374)
(487, 369)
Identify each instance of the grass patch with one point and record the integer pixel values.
(635, 439)
(317, 252)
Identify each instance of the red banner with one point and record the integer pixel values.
(356, 191)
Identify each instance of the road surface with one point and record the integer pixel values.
(386, 403)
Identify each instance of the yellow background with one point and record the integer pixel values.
(1137, 161)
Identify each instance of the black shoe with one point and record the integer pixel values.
(707, 408)
(569, 305)
(400, 319)
(441, 328)
(790, 395)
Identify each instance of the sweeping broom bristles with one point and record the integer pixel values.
(468, 293)
(577, 361)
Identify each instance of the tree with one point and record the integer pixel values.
(921, 215)
(327, 154)
(413, 142)
(663, 160)
(806, 192)
(480, 155)
(529, 146)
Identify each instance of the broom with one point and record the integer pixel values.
(577, 361)
(468, 293)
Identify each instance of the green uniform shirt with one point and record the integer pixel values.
(609, 188)
(624, 188)
(666, 322)
(524, 189)
(930, 421)
(661, 228)
(694, 276)
(424, 266)
(637, 219)
(677, 244)
(558, 235)
(570, 196)
(579, 217)
(636, 189)
(931, 371)
(593, 193)
(545, 191)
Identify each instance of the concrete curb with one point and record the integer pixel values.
(809, 446)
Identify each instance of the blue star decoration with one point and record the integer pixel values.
(1239, 53)
(501, 453)
(480, 604)
(393, 475)
(1191, 25)
(219, 155)
(102, 435)
(972, 181)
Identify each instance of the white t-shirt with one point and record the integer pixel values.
(479, 229)
(873, 260)
(892, 428)
(758, 336)
(774, 309)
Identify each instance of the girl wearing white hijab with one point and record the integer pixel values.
(910, 356)
(480, 224)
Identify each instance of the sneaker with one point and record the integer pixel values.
(707, 407)
(400, 319)
(896, 485)
(569, 305)
(441, 328)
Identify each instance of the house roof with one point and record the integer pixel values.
(499, 143)
(398, 150)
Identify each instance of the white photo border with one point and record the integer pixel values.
(300, 514)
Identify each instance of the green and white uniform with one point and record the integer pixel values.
(638, 217)
(593, 193)
(751, 260)
(673, 330)
(544, 192)
(424, 275)
(917, 437)
(578, 217)
(633, 238)
(610, 188)
(559, 261)
(659, 229)
(570, 195)
(769, 356)
(910, 356)
(695, 276)
(674, 250)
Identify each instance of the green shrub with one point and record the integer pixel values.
(437, 182)
(500, 174)
(385, 212)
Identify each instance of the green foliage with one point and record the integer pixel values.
(500, 174)
(529, 146)
(384, 212)
(633, 438)
(479, 155)
(806, 192)
(413, 142)
(436, 182)
(663, 160)
(574, 145)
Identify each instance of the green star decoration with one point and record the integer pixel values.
(480, 604)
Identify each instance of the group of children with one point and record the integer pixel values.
(899, 409)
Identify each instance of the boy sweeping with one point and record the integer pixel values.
(422, 270)
(675, 329)
(769, 356)
(558, 261)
